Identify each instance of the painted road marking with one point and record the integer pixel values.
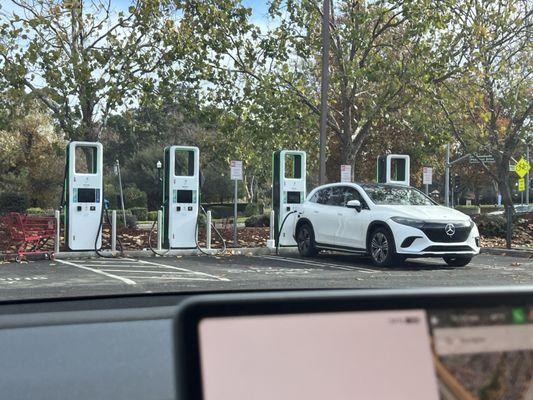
(97, 271)
(322, 264)
(181, 269)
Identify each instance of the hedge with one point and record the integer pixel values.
(468, 210)
(152, 216)
(140, 212)
(13, 202)
(257, 221)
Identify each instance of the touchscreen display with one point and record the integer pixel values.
(413, 354)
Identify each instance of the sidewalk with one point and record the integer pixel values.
(514, 252)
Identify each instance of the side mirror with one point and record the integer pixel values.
(354, 204)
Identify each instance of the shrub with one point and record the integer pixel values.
(134, 197)
(221, 211)
(140, 212)
(253, 209)
(131, 221)
(491, 225)
(257, 221)
(13, 202)
(468, 210)
(152, 216)
(35, 211)
(202, 220)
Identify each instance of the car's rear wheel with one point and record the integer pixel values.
(457, 261)
(382, 249)
(305, 238)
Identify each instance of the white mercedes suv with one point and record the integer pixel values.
(388, 222)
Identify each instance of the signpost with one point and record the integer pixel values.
(346, 173)
(236, 175)
(521, 184)
(427, 177)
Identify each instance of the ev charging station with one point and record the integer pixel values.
(181, 196)
(83, 191)
(393, 168)
(288, 191)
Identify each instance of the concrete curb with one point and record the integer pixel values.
(248, 251)
(523, 253)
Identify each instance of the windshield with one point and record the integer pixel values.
(398, 196)
(154, 146)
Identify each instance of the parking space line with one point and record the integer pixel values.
(180, 269)
(140, 271)
(175, 278)
(97, 271)
(321, 264)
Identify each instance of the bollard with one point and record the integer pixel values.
(159, 229)
(57, 215)
(114, 230)
(271, 242)
(208, 231)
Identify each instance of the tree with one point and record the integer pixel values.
(81, 59)
(379, 58)
(31, 158)
(487, 102)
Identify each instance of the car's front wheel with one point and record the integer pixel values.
(305, 238)
(382, 249)
(457, 261)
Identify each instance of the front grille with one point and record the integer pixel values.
(448, 249)
(436, 233)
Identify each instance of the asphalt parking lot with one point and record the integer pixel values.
(98, 276)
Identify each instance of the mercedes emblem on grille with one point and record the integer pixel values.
(449, 229)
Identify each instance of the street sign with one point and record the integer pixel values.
(236, 170)
(427, 175)
(485, 158)
(521, 185)
(346, 173)
(521, 167)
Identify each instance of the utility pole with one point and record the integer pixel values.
(447, 177)
(324, 91)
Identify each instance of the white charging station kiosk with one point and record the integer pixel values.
(394, 169)
(83, 195)
(288, 192)
(181, 196)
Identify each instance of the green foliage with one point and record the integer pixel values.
(131, 221)
(134, 197)
(141, 213)
(468, 210)
(218, 212)
(253, 209)
(13, 202)
(258, 221)
(491, 225)
(217, 186)
(152, 216)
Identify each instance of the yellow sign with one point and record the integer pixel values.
(521, 185)
(521, 167)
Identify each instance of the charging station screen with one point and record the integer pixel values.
(184, 196)
(293, 197)
(87, 196)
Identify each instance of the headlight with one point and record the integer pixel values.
(415, 223)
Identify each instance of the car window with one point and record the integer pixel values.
(323, 196)
(350, 193)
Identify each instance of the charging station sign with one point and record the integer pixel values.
(346, 173)
(236, 170)
(427, 175)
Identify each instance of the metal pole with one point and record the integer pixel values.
(235, 244)
(324, 90)
(509, 236)
(208, 231)
(447, 177)
(121, 193)
(57, 215)
(159, 229)
(527, 177)
(427, 189)
(114, 230)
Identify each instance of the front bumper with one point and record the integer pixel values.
(413, 242)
